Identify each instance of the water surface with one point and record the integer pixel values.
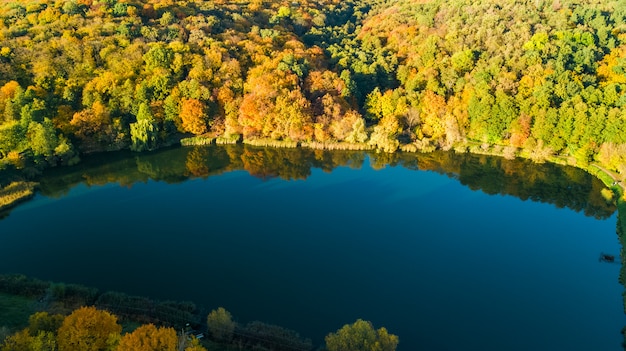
(447, 251)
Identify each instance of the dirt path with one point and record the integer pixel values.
(611, 174)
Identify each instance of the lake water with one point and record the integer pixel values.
(448, 252)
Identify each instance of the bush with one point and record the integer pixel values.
(44, 322)
(22, 285)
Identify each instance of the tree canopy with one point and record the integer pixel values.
(538, 78)
(361, 336)
(89, 328)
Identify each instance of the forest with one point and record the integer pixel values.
(541, 79)
(538, 79)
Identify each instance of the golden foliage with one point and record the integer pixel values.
(193, 116)
(8, 90)
(88, 329)
(149, 338)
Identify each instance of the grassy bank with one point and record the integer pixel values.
(209, 140)
(16, 310)
(16, 192)
(337, 146)
(271, 143)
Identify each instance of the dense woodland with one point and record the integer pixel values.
(533, 78)
(536, 78)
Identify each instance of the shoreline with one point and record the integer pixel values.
(466, 147)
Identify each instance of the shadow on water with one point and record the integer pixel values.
(562, 186)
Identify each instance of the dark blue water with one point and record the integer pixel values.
(441, 266)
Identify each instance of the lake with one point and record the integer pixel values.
(447, 251)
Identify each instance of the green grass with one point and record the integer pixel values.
(208, 140)
(228, 139)
(600, 174)
(197, 140)
(337, 146)
(15, 310)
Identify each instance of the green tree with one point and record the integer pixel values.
(12, 138)
(159, 56)
(143, 135)
(42, 138)
(144, 132)
(361, 336)
(463, 61)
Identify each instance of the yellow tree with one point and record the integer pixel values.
(149, 338)
(7, 91)
(292, 118)
(18, 341)
(220, 324)
(607, 72)
(88, 329)
(92, 123)
(385, 135)
(361, 336)
(433, 110)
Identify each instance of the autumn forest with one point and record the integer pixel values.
(531, 78)
(538, 79)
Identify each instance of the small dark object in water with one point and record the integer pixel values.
(607, 258)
